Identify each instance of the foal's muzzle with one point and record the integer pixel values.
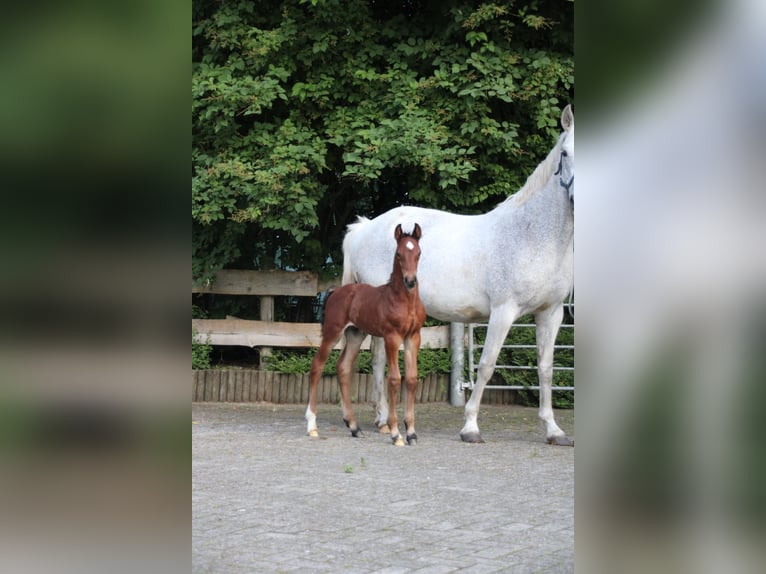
(410, 283)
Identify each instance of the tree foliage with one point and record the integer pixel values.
(306, 113)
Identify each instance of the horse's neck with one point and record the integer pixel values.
(546, 215)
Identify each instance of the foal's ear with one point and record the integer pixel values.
(416, 232)
(398, 232)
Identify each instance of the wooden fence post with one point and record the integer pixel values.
(267, 314)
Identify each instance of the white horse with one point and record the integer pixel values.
(514, 260)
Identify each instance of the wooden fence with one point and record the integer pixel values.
(249, 385)
(268, 333)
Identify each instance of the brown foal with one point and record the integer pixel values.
(392, 311)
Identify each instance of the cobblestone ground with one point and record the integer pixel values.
(268, 498)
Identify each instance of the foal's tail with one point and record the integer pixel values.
(323, 297)
(348, 273)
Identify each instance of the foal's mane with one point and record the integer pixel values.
(539, 177)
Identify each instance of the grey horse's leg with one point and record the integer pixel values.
(500, 321)
(380, 393)
(548, 322)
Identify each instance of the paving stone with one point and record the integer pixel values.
(267, 498)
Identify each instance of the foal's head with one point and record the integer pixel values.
(408, 254)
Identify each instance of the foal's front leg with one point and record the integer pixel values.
(394, 384)
(411, 348)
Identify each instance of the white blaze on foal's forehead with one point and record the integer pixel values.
(410, 245)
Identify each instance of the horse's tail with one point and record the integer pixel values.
(349, 276)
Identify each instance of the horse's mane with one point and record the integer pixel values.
(539, 177)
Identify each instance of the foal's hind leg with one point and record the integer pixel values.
(354, 339)
(317, 366)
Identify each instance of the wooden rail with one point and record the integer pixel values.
(233, 331)
(275, 282)
(268, 333)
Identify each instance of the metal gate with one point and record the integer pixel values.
(473, 366)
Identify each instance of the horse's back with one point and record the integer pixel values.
(368, 249)
(454, 251)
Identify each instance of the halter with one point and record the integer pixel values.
(567, 185)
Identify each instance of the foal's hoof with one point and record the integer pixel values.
(472, 437)
(398, 441)
(561, 440)
(384, 429)
(313, 433)
(412, 439)
(357, 433)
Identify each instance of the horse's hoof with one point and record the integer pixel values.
(384, 429)
(398, 441)
(313, 433)
(357, 433)
(412, 439)
(561, 440)
(472, 437)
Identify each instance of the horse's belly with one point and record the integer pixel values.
(462, 315)
(460, 308)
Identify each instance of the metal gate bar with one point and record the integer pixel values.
(473, 367)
